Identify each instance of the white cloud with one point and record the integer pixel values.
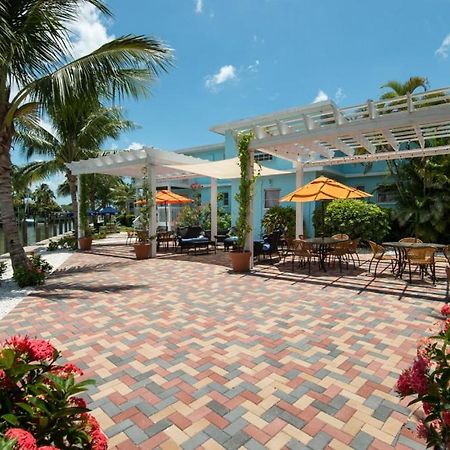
(135, 146)
(88, 32)
(254, 67)
(198, 6)
(339, 96)
(442, 51)
(225, 73)
(320, 97)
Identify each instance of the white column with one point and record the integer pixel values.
(249, 241)
(169, 213)
(78, 207)
(299, 206)
(213, 207)
(151, 177)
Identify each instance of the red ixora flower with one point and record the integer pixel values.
(99, 441)
(19, 343)
(37, 349)
(422, 430)
(445, 310)
(25, 440)
(403, 386)
(78, 402)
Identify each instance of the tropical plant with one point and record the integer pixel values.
(279, 218)
(40, 407)
(244, 196)
(34, 273)
(427, 380)
(146, 204)
(80, 127)
(36, 74)
(357, 218)
(44, 203)
(399, 89)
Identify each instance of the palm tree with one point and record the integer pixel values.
(34, 49)
(79, 130)
(44, 202)
(399, 89)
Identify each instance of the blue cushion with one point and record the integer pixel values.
(193, 240)
(266, 247)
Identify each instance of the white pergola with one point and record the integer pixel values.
(322, 134)
(161, 167)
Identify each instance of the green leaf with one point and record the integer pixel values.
(7, 360)
(11, 418)
(25, 407)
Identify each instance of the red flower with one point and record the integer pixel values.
(72, 368)
(25, 440)
(427, 408)
(99, 441)
(403, 386)
(445, 310)
(40, 350)
(19, 343)
(78, 402)
(422, 430)
(419, 380)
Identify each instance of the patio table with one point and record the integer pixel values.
(401, 248)
(322, 247)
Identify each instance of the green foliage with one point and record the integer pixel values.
(126, 220)
(279, 218)
(422, 188)
(35, 274)
(100, 235)
(64, 242)
(44, 203)
(246, 186)
(39, 399)
(83, 206)
(357, 218)
(3, 266)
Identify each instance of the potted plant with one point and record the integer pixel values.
(143, 247)
(84, 241)
(240, 257)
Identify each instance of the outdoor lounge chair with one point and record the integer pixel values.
(378, 255)
(446, 256)
(193, 238)
(267, 247)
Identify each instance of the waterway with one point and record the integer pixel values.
(31, 232)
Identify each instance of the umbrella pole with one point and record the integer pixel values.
(323, 218)
(165, 211)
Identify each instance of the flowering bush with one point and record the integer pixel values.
(33, 275)
(39, 404)
(428, 380)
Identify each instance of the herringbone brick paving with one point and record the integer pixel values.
(189, 355)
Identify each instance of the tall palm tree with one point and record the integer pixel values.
(398, 89)
(34, 49)
(80, 127)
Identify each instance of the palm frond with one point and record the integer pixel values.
(41, 170)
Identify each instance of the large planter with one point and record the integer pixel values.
(85, 243)
(240, 261)
(142, 251)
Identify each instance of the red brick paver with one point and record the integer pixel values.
(189, 355)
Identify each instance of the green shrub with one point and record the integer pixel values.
(100, 235)
(279, 218)
(33, 275)
(357, 218)
(65, 242)
(126, 220)
(40, 405)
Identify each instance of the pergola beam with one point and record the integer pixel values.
(390, 138)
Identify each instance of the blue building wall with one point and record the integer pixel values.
(365, 177)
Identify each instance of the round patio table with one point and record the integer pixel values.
(322, 247)
(401, 248)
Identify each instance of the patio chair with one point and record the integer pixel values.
(268, 247)
(445, 258)
(340, 236)
(412, 240)
(422, 258)
(303, 252)
(378, 255)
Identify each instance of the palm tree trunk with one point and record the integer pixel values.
(9, 221)
(72, 180)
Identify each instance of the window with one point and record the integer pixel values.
(226, 198)
(271, 197)
(260, 156)
(385, 195)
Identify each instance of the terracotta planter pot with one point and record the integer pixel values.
(240, 261)
(85, 243)
(142, 250)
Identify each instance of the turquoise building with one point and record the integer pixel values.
(268, 190)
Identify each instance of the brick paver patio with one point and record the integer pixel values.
(188, 355)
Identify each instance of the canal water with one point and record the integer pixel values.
(31, 232)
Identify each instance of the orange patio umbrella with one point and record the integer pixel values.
(323, 188)
(165, 197)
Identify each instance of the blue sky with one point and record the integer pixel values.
(239, 58)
